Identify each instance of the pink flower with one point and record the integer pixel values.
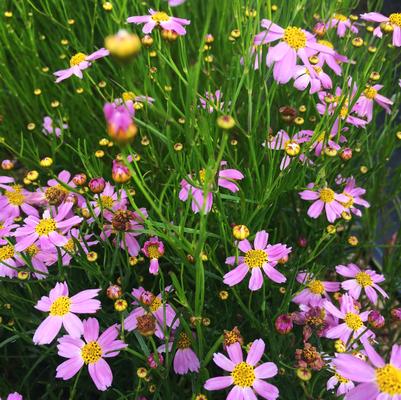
(353, 321)
(324, 141)
(160, 18)
(41, 260)
(49, 231)
(91, 352)
(16, 200)
(6, 228)
(49, 129)
(9, 262)
(393, 19)
(76, 245)
(246, 376)
(78, 63)
(344, 384)
(263, 256)
(212, 101)
(315, 292)
(377, 380)
(146, 302)
(62, 310)
(324, 198)
(202, 200)
(367, 280)
(14, 396)
(316, 78)
(364, 104)
(295, 42)
(109, 200)
(153, 249)
(354, 195)
(342, 23)
(333, 61)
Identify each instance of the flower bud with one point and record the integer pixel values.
(302, 242)
(346, 154)
(168, 35)
(123, 45)
(120, 305)
(96, 185)
(79, 179)
(284, 324)
(120, 172)
(154, 360)
(147, 40)
(376, 320)
(113, 292)
(319, 29)
(396, 314)
(240, 232)
(7, 165)
(226, 122)
(288, 114)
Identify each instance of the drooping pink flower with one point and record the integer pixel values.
(324, 198)
(316, 78)
(62, 310)
(333, 61)
(354, 195)
(119, 118)
(91, 351)
(153, 249)
(212, 101)
(294, 43)
(160, 18)
(263, 257)
(377, 380)
(315, 291)
(364, 104)
(49, 231)
(393, 19)
(247, 376)
(146, 302)
(361, 279)
(342, 23)
(50, 129)
(202, 198)
(353, 325)
(78, 63)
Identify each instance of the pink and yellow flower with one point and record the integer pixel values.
(393, 20)
(342, 23)
(153, 249)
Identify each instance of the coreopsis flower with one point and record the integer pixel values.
(333, 61)
(344, 385)
(294, 43)
(342, 23)
(77, 243)
(324, 198)
(9, 262)
(120, 172)
(90, 351)
(41, 260)
(109, 200)
(202, 199)
(97, 185)
(364, 104)
(146, 302)
(14, 396)
(62, 310)
(78, 63)
(353, 321)
(262, 257)
(120, 125)
(316, 78)
(325, 141)
(50, 129)
(376, 320)
(160, 19)
(6, 228)
(309, 357)
(393, 21)
(153, 249)
(49, 231)
(366, 280)
(376, 379)
(16, 200)
(354, 195)
(247, 376)
(284, 324)
(185, 359)
(212, 101)
(315, 292)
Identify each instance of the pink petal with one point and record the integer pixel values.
(219, 382)
(47, 330)
(73, 325)
(266, 370)
(69, 368)
(256, 352)
(236, 275)
(266, 390)
(91, 329)
(256, 281)
(353, 368)
(101, 374)
(235, 353)
(261, 239)
(363, 392)
(223, 362)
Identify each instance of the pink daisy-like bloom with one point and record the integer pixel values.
(342, 23)
(393, 20)
(246, 376)
(316, 78)
(16, 200)
(263, 257)
(185, 359)
(344, 385)
(50, 129)
(6, 228)
(315, 291)
(361, 279)
(146, 302)
(364, 104)
(49, 231)
(153, 249)
(160, 18)
(376, 380)
(333, 61)
(14, 396)
(294, 42)
(62, 310)
(353, 326)
(91, 351)
(324, 198)
(324, 141)
(78, 63)
(203, 201)
(212, 101)
(354, 195)
(9, 261)
(40, 260)
(109, 200)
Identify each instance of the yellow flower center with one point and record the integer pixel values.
(326, 43)
(340, 17)
(395, 19)
(77, 59)
(15, 198)
(91, 352)
(350, 201)
(388, 380)
(32, 250)
(353, 321)
(45, 226)
(344, 112)
(160, 16)
(316, 287)
(153, 251)
(364, 279)
(107, 201)
(70, 246)
(202, 175)
(183, 342)
(243, 375)
(370, 93)
(295, 37)
(327, 195)
(292, 148)
(6, 252)
(255, 258)
(341, 379)
(321, 137)
(128, 96)
(155, 305)
(60, 306)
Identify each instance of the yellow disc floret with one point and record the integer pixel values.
(353, 321)
(295, 37)
(91, 352)
(316, 287)
(77, 59)
(45, 226)
(327, 195)
(364, 279)
(388, 379)
(6, 252)
(243, 375)
(395, 19)
(60, 306)
(255, 258)
(370, 93)
(160, 16)
(15, 197)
